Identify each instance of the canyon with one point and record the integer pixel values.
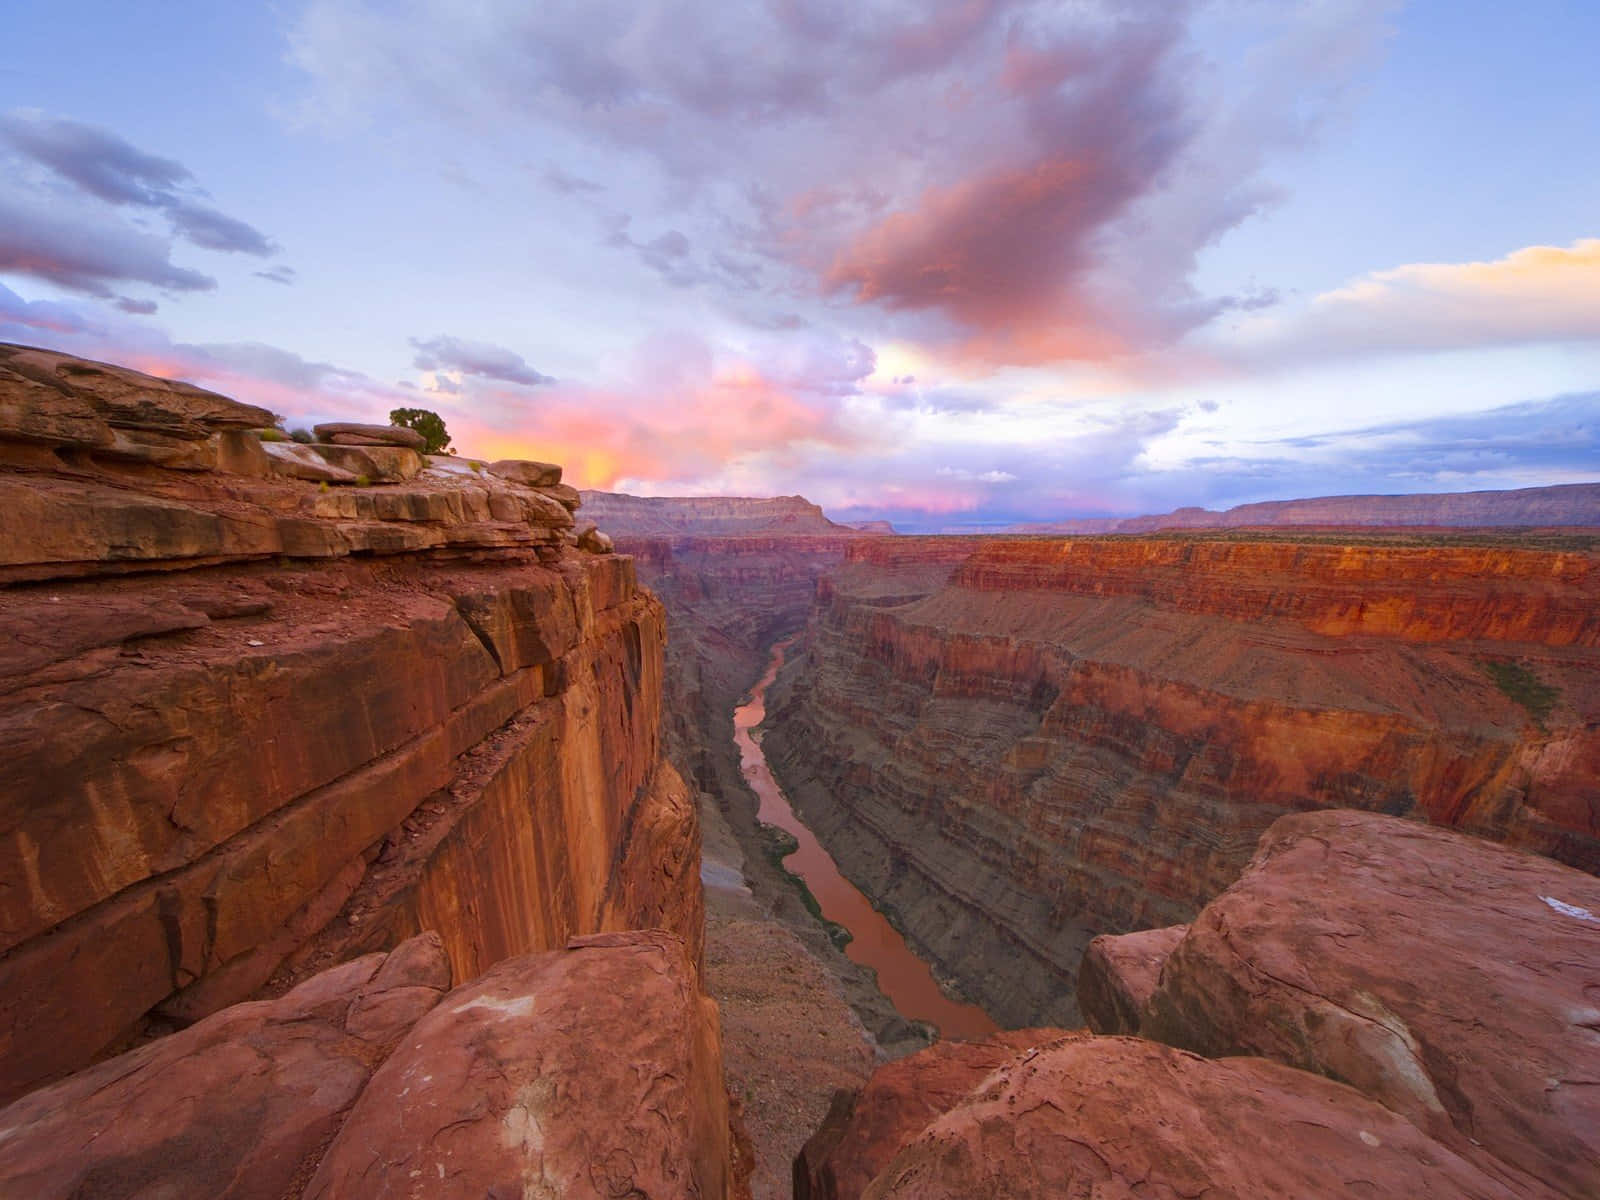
(1017, 744)
(373, 824)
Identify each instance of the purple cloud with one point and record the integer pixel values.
(466, 357)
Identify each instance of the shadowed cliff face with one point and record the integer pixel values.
(253, 726)
(1015, 744)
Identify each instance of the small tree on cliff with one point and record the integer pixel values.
(429, 424)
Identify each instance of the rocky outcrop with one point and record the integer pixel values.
(1119, 974)
(1124, 1117)
(588, 1072)
(1451, 980)
(256, 724)
(1562, 504)
(1014, 745)
(866, 1129)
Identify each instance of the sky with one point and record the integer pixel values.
(955, 265)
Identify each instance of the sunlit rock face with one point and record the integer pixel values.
(255, 723)
(1016, 744)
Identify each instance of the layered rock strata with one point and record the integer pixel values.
(1391, 1009)
(254, 724)
(1014, 745)
(592, 1071)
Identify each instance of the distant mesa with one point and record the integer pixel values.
(1561, 504)
(708, 516)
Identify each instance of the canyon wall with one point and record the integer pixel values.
(1015, 744)
(257, 718)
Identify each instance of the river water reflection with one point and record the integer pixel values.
(903, 977)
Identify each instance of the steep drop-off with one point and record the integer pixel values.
(252, 724)
(1015, 744)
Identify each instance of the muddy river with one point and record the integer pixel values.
(903, 977)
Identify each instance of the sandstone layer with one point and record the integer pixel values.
(588, 1072)
(255, 724)
(1013, 745)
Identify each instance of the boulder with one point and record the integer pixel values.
(568, 497)
(527, 472)
(1119, 974)
(589, 1072)
(592, 540)
(1126, 1117)
(1450, 979)
(351, 434)
(865, 1130)
(296, 461)
(380, 464)
(238, 1105)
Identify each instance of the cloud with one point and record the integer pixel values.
(1536, 294)
(1010, 181)
(98, 162)
(142, 308)
(71, 248)
(464, 357)
(278, 274)
(57, 210)
(212, 230)
(567, 184)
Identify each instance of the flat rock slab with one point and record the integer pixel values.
(351, 433)
(527, 472)
(238, 1105)
(380, 464)
(295, 461)
(590, 1072)
(1123, 1117)
(1119, 975)
(1455, 981)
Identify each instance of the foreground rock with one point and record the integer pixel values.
(1451, 980)
(1125, 1117)
(590, 1072)
(238, 1105)
(865, 1130)
(1119, 975)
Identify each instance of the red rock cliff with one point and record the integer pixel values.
(253, 724)
(1016, 744)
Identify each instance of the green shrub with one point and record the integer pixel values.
(429, 424)
(303, 436)
(1526, 688)
(272, 435)
(363, 481)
